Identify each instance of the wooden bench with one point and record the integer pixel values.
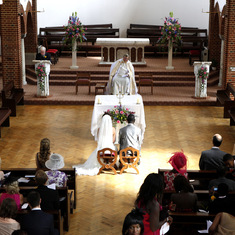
(232, 116)
(21, 172)
(12, 96)
(224, 99)
(100, 86)
(58, 220)
(4, 118)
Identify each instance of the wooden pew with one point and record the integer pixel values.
(232, 116)
(224, 99)
(12, 96)
(21, 172)
(58, 220)
(4, 118)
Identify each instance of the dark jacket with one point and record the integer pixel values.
(220, 180)
(49, 198)
(37, 223)
(211, 159)
(46, 57)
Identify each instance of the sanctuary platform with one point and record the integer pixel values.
(174, 87)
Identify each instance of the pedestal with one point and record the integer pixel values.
(74, 55)
(170, 52)
(200, 91)
(45, 91)
(23, 62)
(117, 128)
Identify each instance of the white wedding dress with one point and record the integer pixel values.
(105, 140)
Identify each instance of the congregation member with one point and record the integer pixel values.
(184, 200)
(229, 160)
(133, 223)
(12, 191)
(37, 222)
(179, 163)
(43, 55)
(8, 211)
(56, 162)
(222, 201)
(212, 159)
(49, 197)
(223, 224)
(105, 139)
(148, 199)
(44, 153)
(122, 77)
(221, 172)
(130, 135)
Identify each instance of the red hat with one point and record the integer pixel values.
(179, 162)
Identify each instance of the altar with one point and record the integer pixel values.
(104, 102)
(113, 49)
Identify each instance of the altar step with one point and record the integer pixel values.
(68, 78)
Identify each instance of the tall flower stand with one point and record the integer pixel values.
(74, 55)
(45, 92)
(170, 52)
(200, 89)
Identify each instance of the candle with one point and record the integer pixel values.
(99, 101)
(138, 101)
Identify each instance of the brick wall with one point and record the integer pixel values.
(11, 42)
(229, 47)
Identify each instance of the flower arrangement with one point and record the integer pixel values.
(203, 75)
(170, 30)
(74, 30)
(119, 114)
(41, 75)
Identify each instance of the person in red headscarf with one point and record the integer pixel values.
(179, 164)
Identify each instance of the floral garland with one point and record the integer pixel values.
(74, 30)
(119, 114)
(203, 75)
(170, 30)
(41, 75)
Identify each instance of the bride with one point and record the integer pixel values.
(106, 137)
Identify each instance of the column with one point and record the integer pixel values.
(136, 54)
(221, 62)
(108, 60)
(142, 59)
(115, 53)
(23, 60)
(102, 53)
(130, 53)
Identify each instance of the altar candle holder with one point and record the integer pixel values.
(120, 96)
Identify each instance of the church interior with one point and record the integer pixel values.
(176, 109)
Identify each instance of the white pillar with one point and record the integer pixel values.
(108, 60)
(102, 54)
(130, 54)
(136, 54)
(74, 55)
(170, 51)
(221, 62)
(199, 92)
(143, 55)
(115, 53)
(23, 60)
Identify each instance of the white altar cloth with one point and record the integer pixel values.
(109, 101)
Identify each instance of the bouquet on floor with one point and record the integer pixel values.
(41, 75)
(170, 31)
(74, 30)
(203, 75)
(119, 114)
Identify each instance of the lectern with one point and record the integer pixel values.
(45, 91)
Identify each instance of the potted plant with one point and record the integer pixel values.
(214, 64)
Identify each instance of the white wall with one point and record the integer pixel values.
(221, 4)
(123, 12)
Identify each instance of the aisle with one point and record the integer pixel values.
(104, 200)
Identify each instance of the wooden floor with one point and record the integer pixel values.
(104, 200)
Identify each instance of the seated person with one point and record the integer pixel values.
(184, 200)
(130, 135)
(43, 55)
(12, 191)
(229, 160)
(179, 164)
(55, 163)
(8, 211)
(133, 223)
(44, 153)
(122, 77)
(221, 172)
(212, 159)
(222, 202)
(223, 223)
(49, 197)
(37, 222)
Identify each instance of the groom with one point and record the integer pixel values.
(130, 135)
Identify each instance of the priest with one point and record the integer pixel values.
(122, 77)
(43, 55)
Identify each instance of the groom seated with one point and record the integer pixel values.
(130, 135)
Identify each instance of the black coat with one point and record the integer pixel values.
(46, 57)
